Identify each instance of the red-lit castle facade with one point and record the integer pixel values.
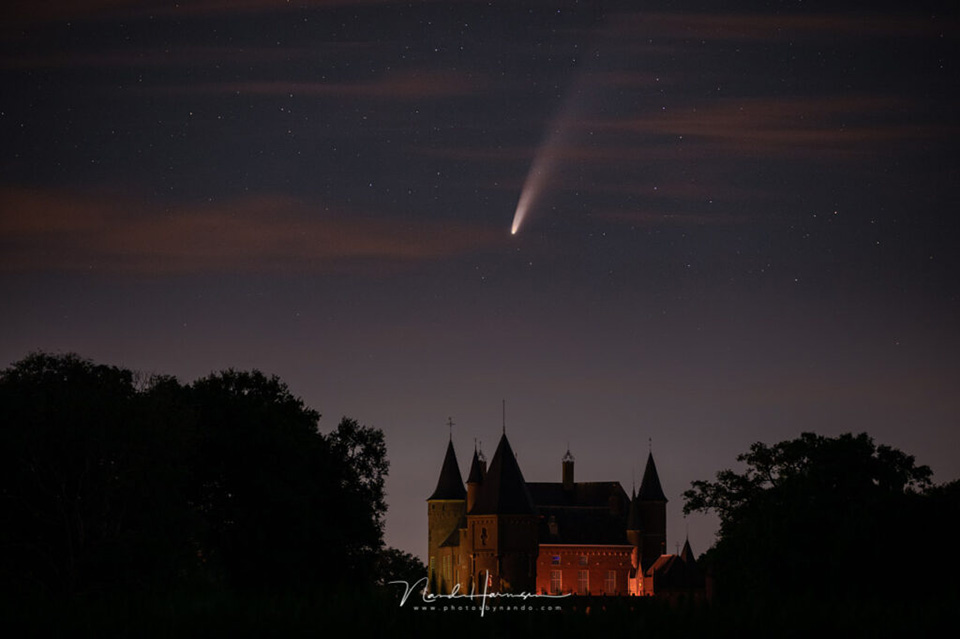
(585, 538)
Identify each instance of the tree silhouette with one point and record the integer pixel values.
(395, 564)
(816, 517)
(91, 478)
(113, 481)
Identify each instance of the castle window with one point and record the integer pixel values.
(483, 536)
(583, 581)
(583, 560)
(556, 582)
(555, 560)
(610, 585)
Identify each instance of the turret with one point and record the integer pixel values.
(633, 521)
(478, 470)
(652, 507)
(445, 508)
(567, 470)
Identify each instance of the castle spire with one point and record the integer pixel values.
(450, 484)
(504, 491)
(650, 488)
(567, 470)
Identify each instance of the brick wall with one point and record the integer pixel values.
(597, 561)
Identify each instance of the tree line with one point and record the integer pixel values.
(120, 482)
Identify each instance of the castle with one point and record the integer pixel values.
(586, 538)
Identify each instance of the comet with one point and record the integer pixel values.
(580, 99)
(543, 165)
(550, 152)
(531, 189)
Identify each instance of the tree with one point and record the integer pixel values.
(91, 478)
(817, 517)
(362, 453)
(113, 481)
(394, 564)
(284, 506)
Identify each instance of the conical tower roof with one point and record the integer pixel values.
(650, 489)
(687, 553)
(504, 491)
(450, 484)
(477, 470)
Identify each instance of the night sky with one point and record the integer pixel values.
(746, 226)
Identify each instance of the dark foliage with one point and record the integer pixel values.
(397, 565)
(825, 520)
(113, 483)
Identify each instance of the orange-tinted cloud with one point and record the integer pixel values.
(47, 230)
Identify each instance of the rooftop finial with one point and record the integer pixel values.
(450, 426)
(650, 444)
(504, 417)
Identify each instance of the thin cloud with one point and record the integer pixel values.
(55, 230)
(27, 11)
(781, 127)
(397, 86)
(758, 28)
(650, 217)
(181, 56)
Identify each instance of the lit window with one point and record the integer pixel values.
(583, 581)
(610, 586)
(556, 582)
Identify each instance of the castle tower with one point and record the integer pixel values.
(445, 508)
(652, 508)
(502, 527)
